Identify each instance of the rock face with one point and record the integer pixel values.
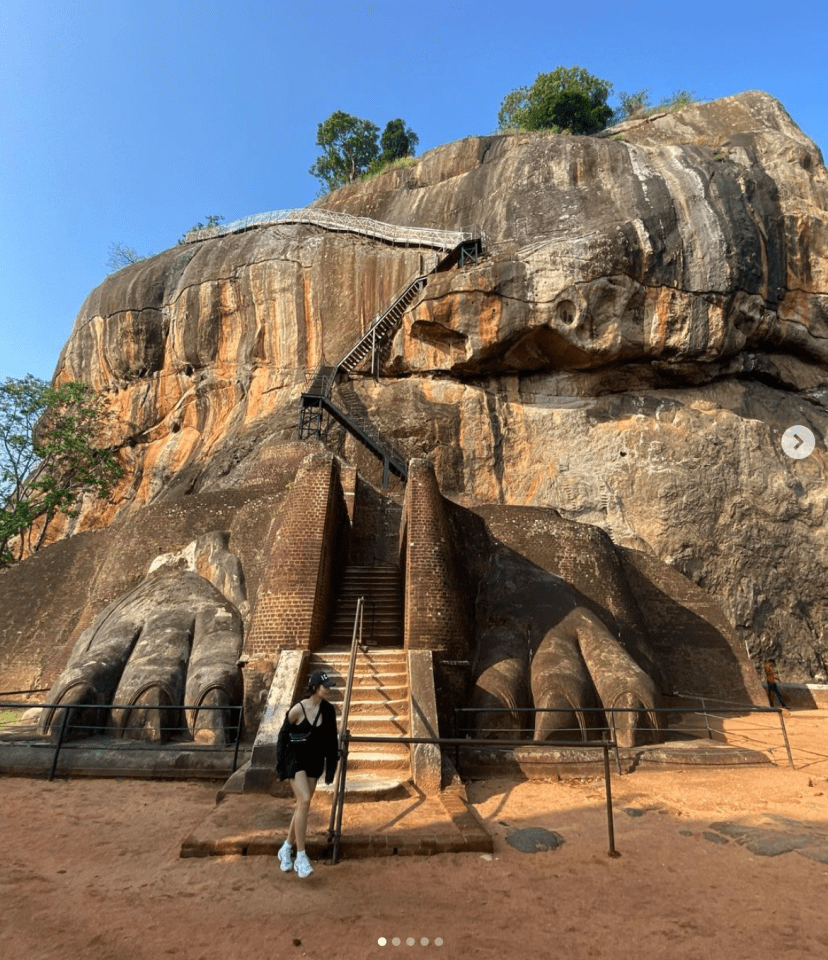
(649, 315)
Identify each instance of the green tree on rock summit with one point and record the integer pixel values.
(352, 147)
(348, 147)
(567, 98)
(397, 141)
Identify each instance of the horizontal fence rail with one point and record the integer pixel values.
(23, 693)
(346, 738)
(706, 714)
(342, 223)
(63, 725)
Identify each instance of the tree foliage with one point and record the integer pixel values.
(397, 141)
(52, 452)
(349, 145)
(120, 256)
(352, 148)
(638, 104)
(567, 98)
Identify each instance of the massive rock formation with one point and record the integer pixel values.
(647, 319)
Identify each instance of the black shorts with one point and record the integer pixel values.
(308, 760)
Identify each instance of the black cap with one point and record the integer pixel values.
(321, 677)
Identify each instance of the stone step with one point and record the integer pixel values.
(390, 708)
(371, 575)
(362, 660)
(374, 694)
(369, 787)
(378, 762)
(362, 724)
(384, 621)
(369, 595)
(345, 651)
(379, 675)
(352, 591)
(393, 673)
(397, 679)
(382, 608)
(383, 637)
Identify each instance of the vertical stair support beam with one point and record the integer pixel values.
(436, 614)
(374, 357)
(469, 252)
(335, 825)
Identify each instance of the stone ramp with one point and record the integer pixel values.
(257, 825)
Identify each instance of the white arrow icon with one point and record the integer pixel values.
(798, 442)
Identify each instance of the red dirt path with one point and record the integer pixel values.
(90, 870)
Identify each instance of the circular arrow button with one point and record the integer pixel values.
(798, 442)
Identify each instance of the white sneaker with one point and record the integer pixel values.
(303, 865)
(285, 857)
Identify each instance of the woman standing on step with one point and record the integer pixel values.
(307, 743)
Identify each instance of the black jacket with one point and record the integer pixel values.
(325, 739)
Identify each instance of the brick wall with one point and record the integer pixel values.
(308, 543)
(435, 610)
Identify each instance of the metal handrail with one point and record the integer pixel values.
(66, 707)
(705, 698)
(23, 693)
(605, 745)
(382, 314)
(613, 710)
(344, 222)
(335, 823)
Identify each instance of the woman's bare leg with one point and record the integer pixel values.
(303, 789)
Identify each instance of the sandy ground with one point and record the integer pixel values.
(90, 869)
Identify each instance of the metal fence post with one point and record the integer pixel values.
(706, 720)
(785, 737)
(608, 788)
(238, 738)
(456, 737)
(59, 744)
(343, 761)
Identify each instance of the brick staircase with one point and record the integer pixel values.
(383, 617)
(379, 705)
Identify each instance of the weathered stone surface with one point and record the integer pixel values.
(173, 640)
(648, 318)
(534, 840)
(765, 841)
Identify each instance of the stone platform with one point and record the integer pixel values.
(257, 824)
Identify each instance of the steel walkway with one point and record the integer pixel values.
(446, 240)
(316, 406)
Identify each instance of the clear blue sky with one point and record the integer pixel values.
(130, 121)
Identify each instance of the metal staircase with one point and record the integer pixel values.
(383, 326)
(317, 412)
(317, 409)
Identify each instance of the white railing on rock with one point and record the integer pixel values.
(344, 223)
